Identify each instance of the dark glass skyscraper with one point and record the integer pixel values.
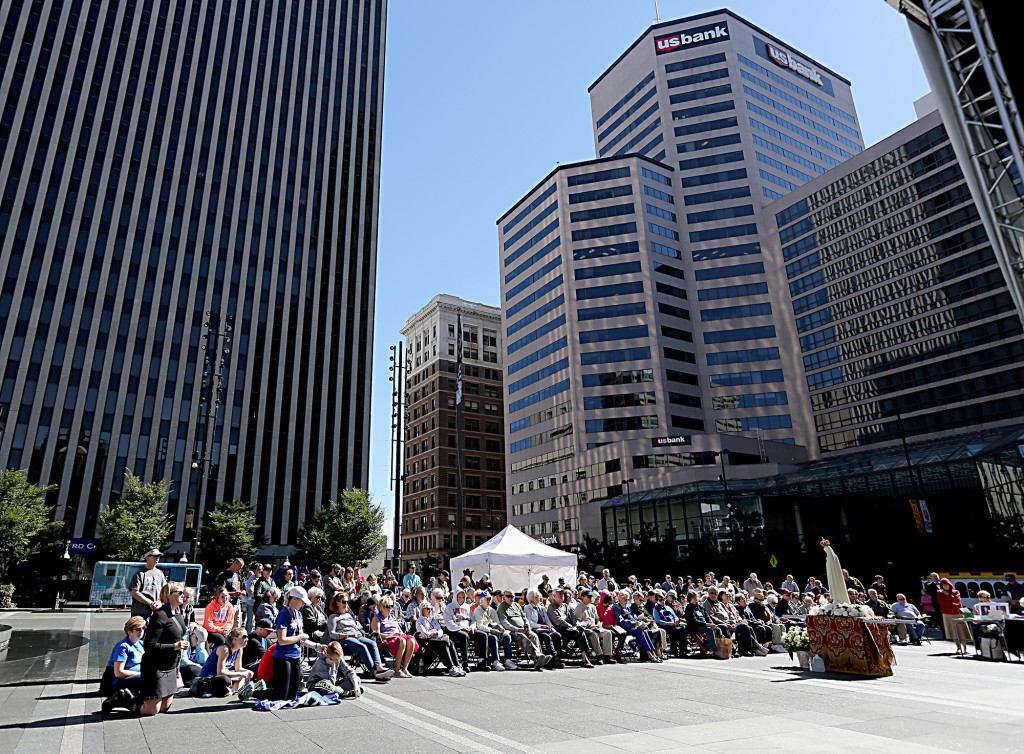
(159, 160)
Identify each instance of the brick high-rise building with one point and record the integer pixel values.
(430, 465)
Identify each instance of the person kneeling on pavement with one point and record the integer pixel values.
(330, 674)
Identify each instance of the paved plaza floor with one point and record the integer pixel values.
(934, 702)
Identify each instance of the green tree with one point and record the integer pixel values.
(347, 531)
(136, 521)
(229, 531)
(25, 519)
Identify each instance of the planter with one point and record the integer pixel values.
(804, 660)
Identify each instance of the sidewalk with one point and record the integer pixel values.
(933, 703)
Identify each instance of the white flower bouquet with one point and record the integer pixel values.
(843, 609)
(795, 640)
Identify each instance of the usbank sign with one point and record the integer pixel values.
(784, 59)
(681, 40)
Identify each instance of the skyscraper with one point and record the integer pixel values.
(904, 323)
(698, 125)
(165, 164)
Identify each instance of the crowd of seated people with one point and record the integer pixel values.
(306, 631)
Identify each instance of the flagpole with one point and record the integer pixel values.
(457, 548)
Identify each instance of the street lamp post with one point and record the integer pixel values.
(629, 507)
(725, 485)
(216, 347)
(58, 603)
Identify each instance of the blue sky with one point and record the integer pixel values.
(482, 99)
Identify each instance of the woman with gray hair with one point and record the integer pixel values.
(313, 616)
(268, 607)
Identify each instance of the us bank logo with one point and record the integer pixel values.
(697, 37)
(783, 59)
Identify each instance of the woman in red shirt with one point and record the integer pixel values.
(951, 609)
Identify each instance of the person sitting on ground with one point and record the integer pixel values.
(343, 627)
(588, 621)
(432, 638)
(193, 658)
(313, 616)
(458, 624)
(697, 623)
(877, 605)
(489, 627)
(399, 644)
(121, 678)
(563, 620)
(330, 674)
(219, 617)
(624, 616)
(537, 616)
(260, 640)
(223, 671)
(512, 619)
(902, 609)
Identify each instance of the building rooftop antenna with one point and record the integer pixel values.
(657, 13)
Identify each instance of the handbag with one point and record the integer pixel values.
(723, 648)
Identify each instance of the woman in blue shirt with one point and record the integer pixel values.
(121, 676)
(223, 668)
(288, 649)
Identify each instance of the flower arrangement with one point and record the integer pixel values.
(843, 609)
(795, 640)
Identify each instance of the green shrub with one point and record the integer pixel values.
(6, 595)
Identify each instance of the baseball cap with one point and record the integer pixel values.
(264, 623)
(154, 553)
(1010, 577)
(298, 593)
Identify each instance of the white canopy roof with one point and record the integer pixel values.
(515, 560)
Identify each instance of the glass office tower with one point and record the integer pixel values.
(162, 161)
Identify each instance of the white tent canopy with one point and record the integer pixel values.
(514, 560)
